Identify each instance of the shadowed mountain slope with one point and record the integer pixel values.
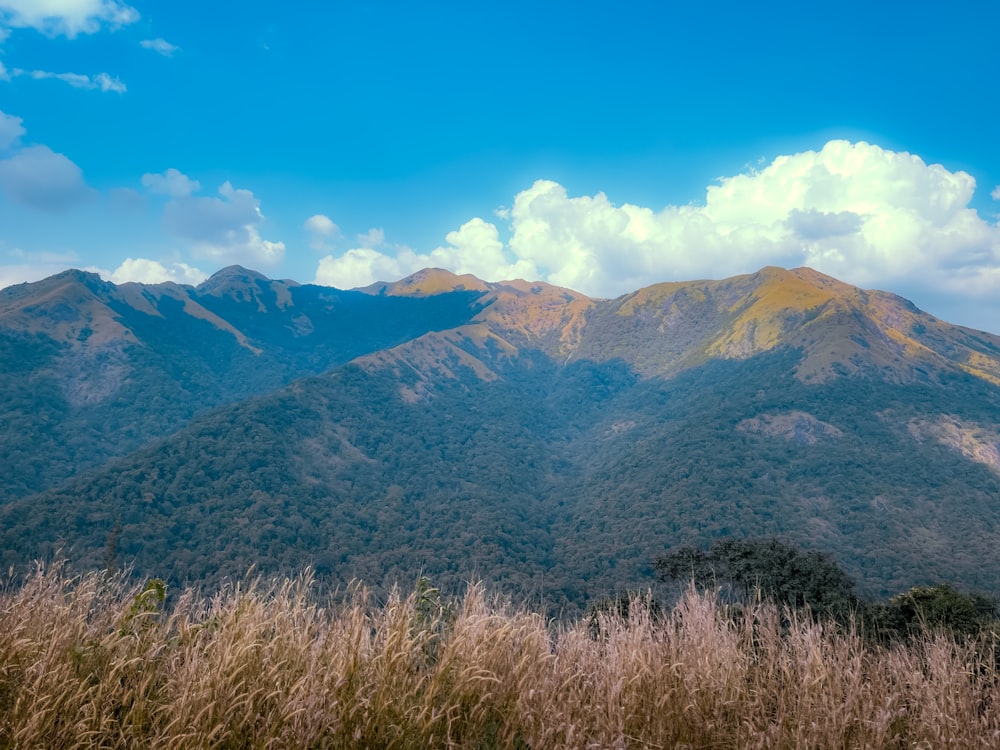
(90, 370)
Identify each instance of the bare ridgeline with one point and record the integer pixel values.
(94, 661)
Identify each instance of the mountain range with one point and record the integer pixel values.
(549, 443)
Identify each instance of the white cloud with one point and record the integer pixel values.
(66, 17)
(856, 211)
(76, 80)
(101, 81)
(870, 216)
(372, 261)
(173, 182)
(321, 224)
(223, 229)
(160, 46)
(577, 242)
(476, 248)
(995, 195)
(817, 225)
(360, 267)
(372, 238)
(321, 230)
(147, 271)
(11, 130)
(38, 177)
(473, 248)
(108, 83)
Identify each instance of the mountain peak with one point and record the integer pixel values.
(70, 283)
(71, 306)
(75, 274)
(231, 276)
(428, 282)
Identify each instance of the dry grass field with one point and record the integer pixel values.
(97, 662)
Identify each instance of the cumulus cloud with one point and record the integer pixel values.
(173, 182)
(66, 17)
(38, 177)
(371, 261)
(11, 130)
(870, 216)
(147, 271)
(360, 267)
(818, 225)
(995, 195)
(321, 230)
(474, 248)
(160, 46)
(223, 229)
(101, 81)
(372, 238)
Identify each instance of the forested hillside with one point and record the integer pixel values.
(89, 371)
(555, 445)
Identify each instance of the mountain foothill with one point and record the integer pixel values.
(547, 443)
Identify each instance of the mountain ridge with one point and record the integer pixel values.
(841, 329)
(112, 367)
(547, 441)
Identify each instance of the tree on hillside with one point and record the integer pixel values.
(937, 608)
(778, 570)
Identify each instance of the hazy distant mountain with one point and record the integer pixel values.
(513, 431)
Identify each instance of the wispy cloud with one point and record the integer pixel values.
(101, 81)
(160, 46)
(68, 18)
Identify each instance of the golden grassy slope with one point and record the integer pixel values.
(839, 328)
(94, 662)
(514, 313)
(64, 308)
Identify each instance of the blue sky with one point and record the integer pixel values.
(598, 146)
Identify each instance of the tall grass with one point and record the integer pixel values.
(97, 662)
